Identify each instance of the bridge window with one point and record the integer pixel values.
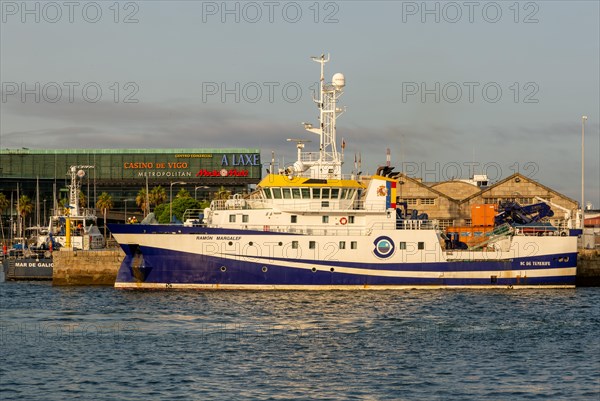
(268, 193)
(276, 193)
(325, 193)
(344, 193)
(287, 193)
(316, 193)
(305, 193)
(335, 193)
(296, 193)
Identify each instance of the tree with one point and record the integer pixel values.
(82, 199)
(104, 203)
(25, 207)
(183, 193)
(180, 205)
(140, 200)
(158, 196)
(223, 193)
(4, 204)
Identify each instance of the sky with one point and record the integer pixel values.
(445, 85)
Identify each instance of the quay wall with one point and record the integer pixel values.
(94, 267)
(588, 268)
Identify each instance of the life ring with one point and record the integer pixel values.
(343, 221)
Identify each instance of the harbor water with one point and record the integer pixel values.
(98, 343)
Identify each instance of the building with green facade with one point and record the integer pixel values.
(43, 174)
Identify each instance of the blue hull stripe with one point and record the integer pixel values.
(160, 266)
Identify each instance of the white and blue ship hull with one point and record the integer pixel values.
(214, 258)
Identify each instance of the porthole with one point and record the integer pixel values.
(230, 243)
(566, 258)
(332, 269)
(281, 243)
(223, 268)
(250, 243)
(314, 269)
(265, 269)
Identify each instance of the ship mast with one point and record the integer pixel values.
(75, 172)
(329, 162)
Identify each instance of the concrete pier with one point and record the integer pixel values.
(95, 267)
(588, 268)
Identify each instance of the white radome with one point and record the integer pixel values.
(338, 80)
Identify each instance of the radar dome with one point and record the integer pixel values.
(338, 80)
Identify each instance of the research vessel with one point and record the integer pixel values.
(310, 227)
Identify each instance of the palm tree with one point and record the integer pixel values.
(4, 204)
(82, 199)
(183, 193)
(222, 193)
(140, 200)
(158, 195)
(104, 203)
(24, 208)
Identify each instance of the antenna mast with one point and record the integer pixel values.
(329, 163)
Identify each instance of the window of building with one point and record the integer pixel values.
(445, 223)
(325, 219)
(311, 244)
(410, 201)
(294, 218)
(420, 245)
(468, 222)
(428, 201)
(342, 244)
(353, 245)
(232, 218)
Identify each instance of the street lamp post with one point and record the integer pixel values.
(583, 119)
(171, 199)
(197, 188)
(125, 218)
